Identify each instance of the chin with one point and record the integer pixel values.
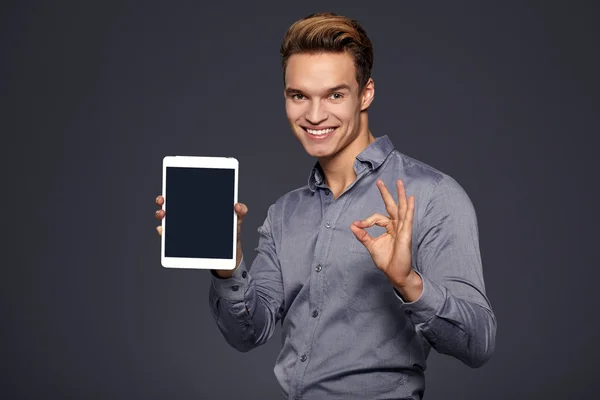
(320, 150)
(318, 153)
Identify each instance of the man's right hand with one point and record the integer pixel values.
(239, 208)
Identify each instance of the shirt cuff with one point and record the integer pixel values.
(234, 287)
(427, 305)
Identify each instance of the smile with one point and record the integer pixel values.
(319, 134)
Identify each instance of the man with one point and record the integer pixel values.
(361, 300)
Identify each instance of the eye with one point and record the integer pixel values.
(297, 96)
(336, 96)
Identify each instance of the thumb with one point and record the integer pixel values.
(362, 236)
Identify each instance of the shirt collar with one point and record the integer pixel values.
(371, 157)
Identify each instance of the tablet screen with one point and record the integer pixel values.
(199, 212)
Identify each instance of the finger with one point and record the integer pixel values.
(362, 236)
(159, 230)
(409, 217)
(241, 210)
(401, 202)
(375, 219)
(390, 205)
(159, 214)
(160, 201)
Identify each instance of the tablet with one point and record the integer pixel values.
(200, 224)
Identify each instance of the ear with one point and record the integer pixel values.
(368, 94)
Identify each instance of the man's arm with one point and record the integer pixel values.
(452, 311)
(247, 306)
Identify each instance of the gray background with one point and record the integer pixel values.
(503, 97)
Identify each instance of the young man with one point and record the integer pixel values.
(363, 279)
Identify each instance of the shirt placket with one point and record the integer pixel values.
(331, 211)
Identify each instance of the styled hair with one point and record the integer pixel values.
(330, 33)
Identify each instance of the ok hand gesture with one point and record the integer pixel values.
(391, 251)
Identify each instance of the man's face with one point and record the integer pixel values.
(322, 102)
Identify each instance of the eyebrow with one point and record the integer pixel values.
(340, 87)
(337, 88)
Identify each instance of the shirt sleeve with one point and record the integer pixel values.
(453, 312)
(247, 305)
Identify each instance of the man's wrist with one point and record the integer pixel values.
(413, 287)
(228, 273)
(224, 273)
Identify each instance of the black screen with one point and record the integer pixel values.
(199, 212)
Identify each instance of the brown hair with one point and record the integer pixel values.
(329, 32)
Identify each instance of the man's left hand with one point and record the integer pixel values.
(391, 251)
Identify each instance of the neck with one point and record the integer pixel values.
(339, 169)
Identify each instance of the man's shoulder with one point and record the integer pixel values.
(294, 196)
(284, 205)
(416, 169)
(423, 174)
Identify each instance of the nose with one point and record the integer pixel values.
(316, 113)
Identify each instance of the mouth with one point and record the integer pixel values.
(321, 133)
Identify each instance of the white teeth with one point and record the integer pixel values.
(320, 132)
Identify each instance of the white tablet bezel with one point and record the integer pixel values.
(199, 162)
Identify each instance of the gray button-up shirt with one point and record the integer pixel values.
(347, 334)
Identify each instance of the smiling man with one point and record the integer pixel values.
(364, 280)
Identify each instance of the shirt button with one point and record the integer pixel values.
(235, 288)
(244, 274)
(318, 268)
(328, 224)
(315, 313)
(303, 358)
(327, 192)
